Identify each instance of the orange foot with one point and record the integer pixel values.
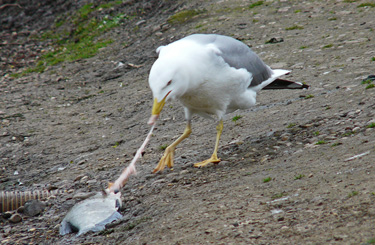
(212, 159)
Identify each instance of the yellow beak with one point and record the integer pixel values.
(156, 109)
(158, 106)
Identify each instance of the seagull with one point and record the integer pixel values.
(211, 75)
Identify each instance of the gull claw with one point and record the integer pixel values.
(166, 160)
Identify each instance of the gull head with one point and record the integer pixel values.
(167, 81)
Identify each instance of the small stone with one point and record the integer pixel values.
(182, 172)
(92, 181)
(15, 218)
(33, 208)
(82, 195)
(140, 22)
(356, 129)
(223, 163)
(21, 209)
(284, 137)
(158, 34)
(7, 215)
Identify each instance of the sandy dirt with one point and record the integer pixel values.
(296, 169)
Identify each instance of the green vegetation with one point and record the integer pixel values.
(184, 16)
(81, 41)
(277, 196)
(268, 179)
(350, 1)
(371, 241)
(295, 27)
(163, 147)
(291, 125)
(353, 193)
(116, 144)
(370, 86)
(253, 5)
(328, 45)
(332, 18)
(368, 81)
(299, 176)
(236, 117)
(371, 125)
(302, 47)
(309, 96)
(316, 133)
(373, 58)
(336, 144)
(372, 5)
(320, 142)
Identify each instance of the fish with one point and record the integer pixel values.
(92, 214)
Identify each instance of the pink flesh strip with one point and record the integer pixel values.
(153, 119)
(130, 170)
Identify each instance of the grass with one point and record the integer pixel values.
(362, 5)
(336, 144)
(163, 147)
(268, 179)
(371, 241)
(280, 195)
(370, 86)
(81, 42)
(373, 58)
(256, 4)
(302, 47)
(236, 117)
(371, 125)
(184, 16)
(309, 96)
(368, 81)
(299, 177)
(116, 144)
(295, 27)
(291, 125)
(320, 142)
(353, 193)
(328, 45)
(316, 133)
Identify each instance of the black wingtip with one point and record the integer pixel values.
(286, 84)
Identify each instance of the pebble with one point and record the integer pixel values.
(158, 34)
(7, 215)
(33, 208)
(356, 129)
(182, 172)
(82, 195)
(223, 163)
(15, 218)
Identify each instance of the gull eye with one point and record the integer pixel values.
(169, 83)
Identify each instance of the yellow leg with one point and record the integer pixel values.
(213, 158)
(167, 159)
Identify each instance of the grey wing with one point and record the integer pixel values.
(237, 55)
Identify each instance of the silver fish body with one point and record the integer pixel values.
(92, 214)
